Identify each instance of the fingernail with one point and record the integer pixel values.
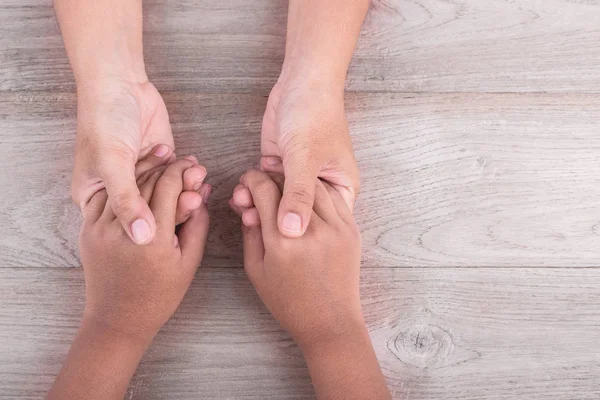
(292, 223)
(140, 231)
(198, 185)
(272, 161)
(161, 151)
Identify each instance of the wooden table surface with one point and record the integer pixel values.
(476, 128)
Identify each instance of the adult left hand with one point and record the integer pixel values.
(305, 137)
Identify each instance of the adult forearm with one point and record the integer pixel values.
(103, 39)
(346, 367)
(321, 37)
(99, 365)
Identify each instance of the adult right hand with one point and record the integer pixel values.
(119, 123)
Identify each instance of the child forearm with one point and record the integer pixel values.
(345, 366)
(99, 365)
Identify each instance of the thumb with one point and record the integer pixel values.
(298, 197)
(118, 174)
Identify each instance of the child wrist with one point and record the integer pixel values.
(343, 330)
(126, 334)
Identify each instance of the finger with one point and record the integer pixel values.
(278, 178)
(271, 164)
(239, 211)
(166, 195)
(193, 178)
(187, 203)
(205, 191)
(341, 206)
(147, 181)
(324, 206)
(266, 197)
(160, 155)
(242, 197)
(298, 196)
(192, 238)
(250, 217)
(236, 209)
(193, 159)
(254, 252)
(95, 207)
(118, 172)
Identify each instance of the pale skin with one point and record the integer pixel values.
(121, 115)
(311, 288)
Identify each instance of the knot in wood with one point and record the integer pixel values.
(427, 346)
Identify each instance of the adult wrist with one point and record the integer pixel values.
(307, 75)
(105, 83)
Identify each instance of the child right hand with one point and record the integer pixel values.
(311, 286)
(132, 290)
(311, 283)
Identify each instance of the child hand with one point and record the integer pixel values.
(134, 289)
(310, 284)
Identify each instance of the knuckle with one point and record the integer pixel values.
(300, 194)
(123, 204)
(112, 155)
(286, 245)
(253, 175)
(170, 183)
(263, 187)
(150, 177)
(179, 166)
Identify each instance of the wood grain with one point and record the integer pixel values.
(439, 334)
(448, 179)
(409, 46)
(452, 178)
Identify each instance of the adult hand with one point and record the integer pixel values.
(305, 137)
(119, 123)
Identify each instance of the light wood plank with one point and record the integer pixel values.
(409, 46)
(439, 333)
(461, 180)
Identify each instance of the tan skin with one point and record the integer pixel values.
(311, 288)
(131, 290)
